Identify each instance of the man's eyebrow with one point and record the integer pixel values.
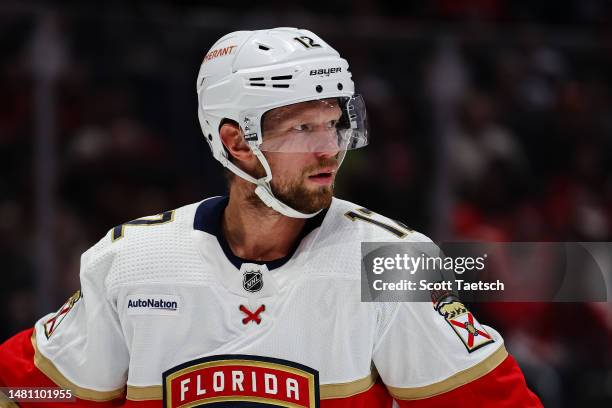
(290, 113)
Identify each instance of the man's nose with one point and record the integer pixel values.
(327, 145)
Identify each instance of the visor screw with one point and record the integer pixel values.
(319, 88)
(340, 86)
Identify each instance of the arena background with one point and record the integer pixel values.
(491, 120)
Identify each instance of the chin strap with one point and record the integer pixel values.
(266, 195)
(263, 189)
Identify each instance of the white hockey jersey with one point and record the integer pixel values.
(168, 313)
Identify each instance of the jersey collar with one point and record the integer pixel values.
(209, 215)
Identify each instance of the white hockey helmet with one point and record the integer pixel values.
(248, 73)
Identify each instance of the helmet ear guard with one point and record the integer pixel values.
(248, 73)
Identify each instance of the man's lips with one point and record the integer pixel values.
(327, 171)
(323, 176)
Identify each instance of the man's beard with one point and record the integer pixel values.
(302, 199)
(298, 196)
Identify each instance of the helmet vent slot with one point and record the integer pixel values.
(264, 47)
(280, 86)
(281, 77)
(257, 83)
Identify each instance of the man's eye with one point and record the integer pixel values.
(300, 128)
(332, 124)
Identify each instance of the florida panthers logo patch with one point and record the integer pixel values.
(462, 321)
(252, 281)
(241, 381)
(54, 321)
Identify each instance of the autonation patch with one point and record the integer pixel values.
(153, 304)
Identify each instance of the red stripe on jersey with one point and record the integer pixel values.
(143, 404)
(503, 387)
(376, 396)
(17, 369)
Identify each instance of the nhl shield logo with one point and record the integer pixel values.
(252, 281)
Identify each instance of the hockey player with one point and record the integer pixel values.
(254, 299)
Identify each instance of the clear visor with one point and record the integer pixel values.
(324, 125)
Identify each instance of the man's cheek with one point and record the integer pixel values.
(282, 174)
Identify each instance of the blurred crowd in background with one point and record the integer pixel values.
(490, 121)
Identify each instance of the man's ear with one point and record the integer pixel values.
(234, 142)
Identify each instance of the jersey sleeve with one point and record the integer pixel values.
(442, 356)
(79, 347)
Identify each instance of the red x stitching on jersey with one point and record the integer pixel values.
(252, 316)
